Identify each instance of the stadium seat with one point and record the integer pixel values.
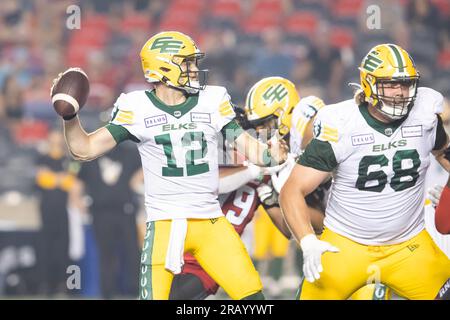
(273, 6)
(341, 37)
(31, 131)
(229, 9)
(346, 8)
(258, 22)
(444, 59)
(443, 7)
(302, 23)
(134, 22)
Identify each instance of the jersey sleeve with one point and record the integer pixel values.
(302, 114)
(124, 123)
(326, 149)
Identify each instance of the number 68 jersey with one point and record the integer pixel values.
(178, 149)
(378, 192)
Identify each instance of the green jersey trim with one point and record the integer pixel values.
(120, 133)
(176, 111)
(318, 155)
(232, 126)
(384, 128)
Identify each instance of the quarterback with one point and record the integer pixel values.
(176, 124)
(377, 148)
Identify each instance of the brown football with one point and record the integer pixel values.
(70, 91)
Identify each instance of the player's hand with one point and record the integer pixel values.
(434, 194)
(280, 177)
(313, 249)
(267, 195)
(278, 149)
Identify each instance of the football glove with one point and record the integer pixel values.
(313, 249)
(267, 195)
(279, 178)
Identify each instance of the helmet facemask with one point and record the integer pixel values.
(395, 107)
(191, 80)
(265, 128)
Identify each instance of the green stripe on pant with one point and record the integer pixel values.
(145, 282)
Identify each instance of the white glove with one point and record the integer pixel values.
(279, 178)
(313, 249)
(434, 194)
(267, 195)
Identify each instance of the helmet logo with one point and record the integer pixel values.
(372, 62)
(167, 45)
(275, 93)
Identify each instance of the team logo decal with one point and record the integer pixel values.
(317, 128)
(372, 62)
(167, 45)
(275, 93)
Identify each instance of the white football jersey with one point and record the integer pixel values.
(378, 191)
(302, 113)
(178, 147)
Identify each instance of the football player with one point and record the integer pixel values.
(239, 208)
(377, 150)
(176, 125)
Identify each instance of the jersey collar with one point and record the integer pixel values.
(384, 128)
(176, 111)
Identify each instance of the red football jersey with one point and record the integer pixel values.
(239, 208)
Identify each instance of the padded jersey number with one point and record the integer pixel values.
(192, 169)
(405, 164)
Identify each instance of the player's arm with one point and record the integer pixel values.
(302, 181)
(85, 146)
(276, 216)
(259, 153)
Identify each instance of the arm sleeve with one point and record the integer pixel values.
(442, 215)
(124, 124)
(318, 155)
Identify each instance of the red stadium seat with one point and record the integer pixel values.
(272, 6)
(98, 22)
(31, 131)
(443, 6)
(258, 22)
(302, 23)
(180, 20)
(136, 22)
(230, 9)
(342, 37)
(444, 59)
(347, 8)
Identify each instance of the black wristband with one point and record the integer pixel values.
(67, 118)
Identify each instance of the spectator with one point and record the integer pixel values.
(54, 182)
(108, 182)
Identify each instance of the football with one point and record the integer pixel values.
(70, 91)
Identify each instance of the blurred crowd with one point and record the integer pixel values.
(318, 44)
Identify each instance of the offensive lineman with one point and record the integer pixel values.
(378, 152)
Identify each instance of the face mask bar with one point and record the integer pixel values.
(396, 107)
(201, 75)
